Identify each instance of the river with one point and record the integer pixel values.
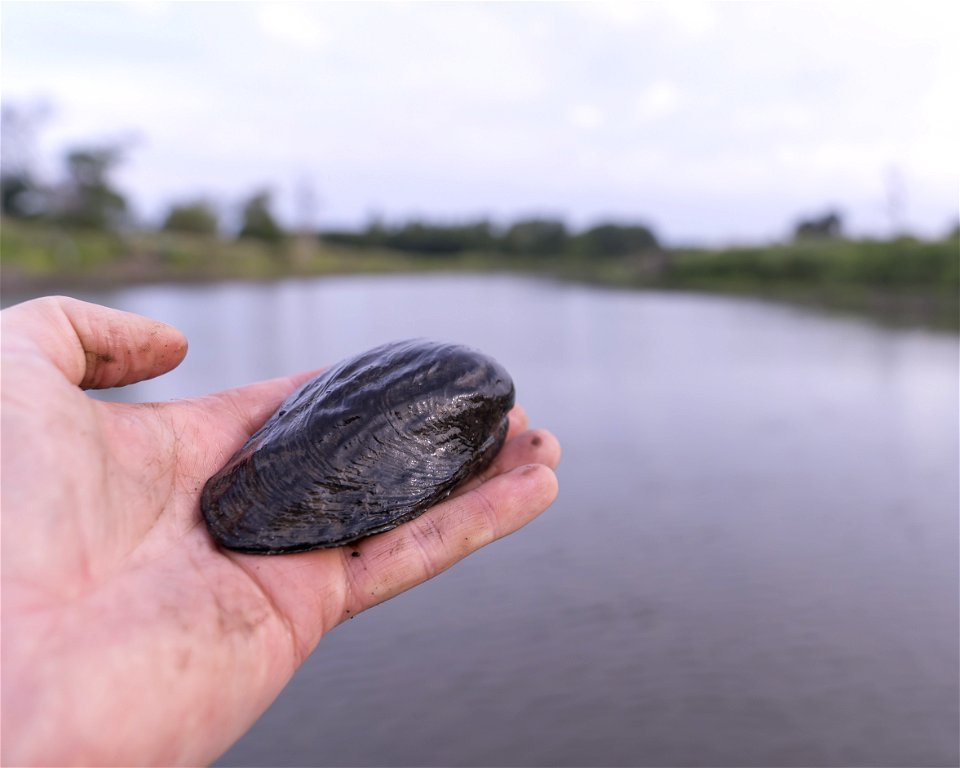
(753, 559)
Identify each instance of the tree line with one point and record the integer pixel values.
(87, 197)
(537, 237)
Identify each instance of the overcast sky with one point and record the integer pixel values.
(711, 122)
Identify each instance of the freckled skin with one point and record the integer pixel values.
(368, 445)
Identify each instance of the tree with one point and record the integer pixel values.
(258, 221)
(438, 239)
(617, 240)
(538, 237)
(88, 199)
(197, 217)
(20, 193)
(829, 225)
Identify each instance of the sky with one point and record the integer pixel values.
(713, 123)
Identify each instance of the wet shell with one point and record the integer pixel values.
(360, 449)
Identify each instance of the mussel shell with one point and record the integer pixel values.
(360, 449)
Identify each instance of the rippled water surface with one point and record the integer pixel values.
(753, 559)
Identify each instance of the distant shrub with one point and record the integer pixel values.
(420, 237)
(614, 240)
(259, 222)
(426, 238)
(196, 217)
(87, 199)
(536, 237)
(829, 225)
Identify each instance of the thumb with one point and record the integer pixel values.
(95, 347)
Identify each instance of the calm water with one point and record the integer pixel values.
(753, 559)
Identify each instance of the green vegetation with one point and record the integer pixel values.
(900, 280)
(258, 221)
(419, 237)
(88, 199)
(196, 217)
(904, 280)
(545, 239)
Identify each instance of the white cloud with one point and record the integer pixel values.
(658, 100)
(293, 23)
(152, 9)
(585, 116)
(694, 19)
(774, 116)
(691, 19)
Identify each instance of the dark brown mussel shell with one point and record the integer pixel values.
(360, 449)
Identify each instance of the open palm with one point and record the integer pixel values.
(128, 635)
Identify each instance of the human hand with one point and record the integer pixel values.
(128, 635)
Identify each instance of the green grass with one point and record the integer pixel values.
(904, 280)
(898, 263)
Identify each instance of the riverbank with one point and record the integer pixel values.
(904, 281)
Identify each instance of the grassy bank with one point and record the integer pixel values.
(904, 280)
(35, 257)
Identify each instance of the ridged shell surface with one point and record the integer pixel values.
(369, 444)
